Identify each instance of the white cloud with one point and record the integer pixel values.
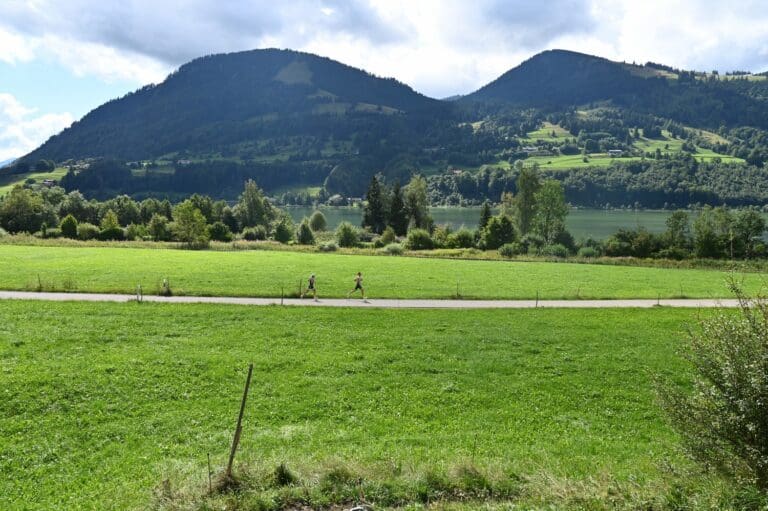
(440, 47)
(15, 48)
(22, 129)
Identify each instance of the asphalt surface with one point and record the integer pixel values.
(384, 303)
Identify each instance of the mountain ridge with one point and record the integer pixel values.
(293, 121)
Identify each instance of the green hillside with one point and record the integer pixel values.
(295, 121)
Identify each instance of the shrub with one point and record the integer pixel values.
(159, 228)
(365, 235)
(532, 242)
(112, 234)
(554, 250)
(497, 232)
(3, 233)
(304, 235)
(676, 253)
(440, 236)
(394, 249)
(388, 236)
(722, 421)
(219, 231)
(109, 222)
(347, 235)
(86, 231)
(283, 229)
(51, 233)
(419, 239)
(68, 227)
(510, 249)
(329, 247)
(463, 238)
(317, 221)
(135, 232)
(258, 233)
(588, 252)
(615, 248)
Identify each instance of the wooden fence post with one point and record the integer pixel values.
(239, 428)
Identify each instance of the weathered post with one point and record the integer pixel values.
(210, 481)
(239, 428)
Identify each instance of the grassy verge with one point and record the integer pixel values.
(102, 403)
(272, 273)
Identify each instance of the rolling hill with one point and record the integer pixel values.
(296, 121)
(559, 78)
(214, 103)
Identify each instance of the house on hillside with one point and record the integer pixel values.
(614, 153)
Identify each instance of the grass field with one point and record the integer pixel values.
(263, 273)
(665, 144)
(102, 402)
(545, 133)
(9, 181)
(576, 161)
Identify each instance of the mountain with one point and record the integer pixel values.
(298, 123)
(557, 79)
(217, 103)
(6, 163)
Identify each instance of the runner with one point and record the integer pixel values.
(358, 285)
(311, 287)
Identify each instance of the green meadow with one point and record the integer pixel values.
(116, 406)
(7, 182)
(275, 273)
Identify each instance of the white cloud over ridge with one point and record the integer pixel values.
(22, 129)
(440, 47)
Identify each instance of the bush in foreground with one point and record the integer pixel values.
(317, 221)
(304, 234)
(393, 249)
(86, 231)
(723, 421)
(419, 239)
(68, 227)
(219, 231)
(258, 233)
(347, 235)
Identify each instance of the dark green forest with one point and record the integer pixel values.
(293, 121)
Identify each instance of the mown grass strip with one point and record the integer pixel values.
(272, 273)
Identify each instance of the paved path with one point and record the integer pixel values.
(375, 303)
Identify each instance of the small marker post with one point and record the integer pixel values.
(210, 482)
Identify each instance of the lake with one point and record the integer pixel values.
(597, 223)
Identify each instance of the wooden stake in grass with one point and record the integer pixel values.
(239, 428)
(210, 482)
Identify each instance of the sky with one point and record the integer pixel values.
(61, 59)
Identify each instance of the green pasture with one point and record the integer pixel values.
(270, 273)
(545, 133)
(670, 145)
(576, 161)
(7, 182)
(101, 403)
